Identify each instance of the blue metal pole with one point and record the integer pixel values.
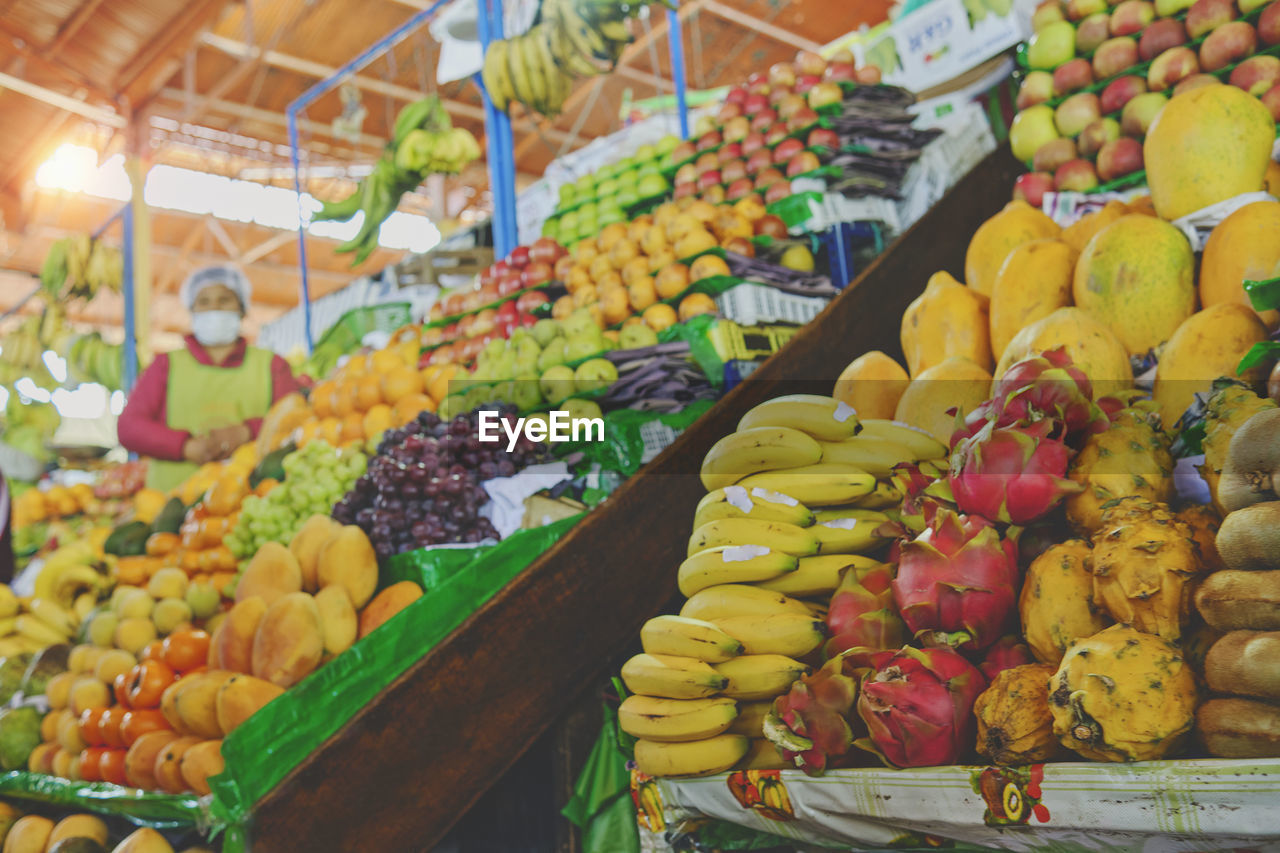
(508, 151)
(501, 148)
(130, 333)
(291, 116)
(675, 40)
(102, 229)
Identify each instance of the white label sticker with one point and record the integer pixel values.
(844, 411)
(910, 427)
(774, 497)
(742, 553)
(736, 496)
(841, 523)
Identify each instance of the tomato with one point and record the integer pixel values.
(120, 688)
(152, 651)
(90, 726)
(137, 723)
(186, 649)
(111, 766)
(147, 681)
(109, 725)
(91, 764)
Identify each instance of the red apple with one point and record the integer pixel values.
(1195, 81)
(1047, 13)
(508, 309)
(1036, 88)
(782, 74)
(1119, 157)
(1170, 67)
(709, 178)
(786, 149)
(1130, 18)
(824, 93)
(768, 177)
(1092, 31)
(802, 163)
(1076, 175)
(687, 174)
(1114, 56)
(546, 250)
(453, 304)
(754, 104)
(763, 119)
(736, 129)
(1138, 114)
(1257, 74)
(753, 142)
(1096, 134)
(1054, 153)
(1205, 16)
(1078, 10)
(1271, 100)
(775, 134)
(757, 84)
(511, 284)
(733, 170)
(536, 274)
(1032, 186)
(771, 225)
(741, 188)
(527, 320)
(808, 62)
(1072, 75)
(1119, 92)
(789, 104)
(1159, 36)
(489, 293)
(869, 75)
(777, 192)
(1075, 112)
(706, 161)
(709, 140)
(488, 275)
(436, 313)
(728, 111)
(519, 257)
(449, 332)
(683, 151)
(729, 151)
(778, 94)
(1269, 25)
(1227, 45)
(804, 119)
(714, 195)
(736, 95)
(838, 71)
(685, 190)
(805, 83)
(823, 137)
(759, 160)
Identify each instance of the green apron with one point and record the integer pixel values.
(203, 397)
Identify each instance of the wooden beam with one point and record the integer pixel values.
(44, 59)
(180, 29)
(223, 239)
(266, 247)
(243, 111)
(35, 148)
(764, 28)
(72, 25)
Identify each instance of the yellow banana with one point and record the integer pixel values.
(685, 637)
(671, 677)
(760, 676)
(885, 495)
(9, 624)
(762, 504)
(824, 484)
(51, 614)
(787, 634)
(8, 602)
(824, 418)
(923, 445)
(872, 454)
(74, 581)
(693, 758)
(521, 78)
(83, 605)
(726, 600)
(750, 718)
(774, 535)
(747, 452)
(494, 73)
(848, 530)
(732, 564)
(30, 626)
(676, 720)
(763, 755)
(818, 575)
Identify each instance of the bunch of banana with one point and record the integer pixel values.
(73, 575)
(31, 624)
(22, 355)
(92, 359)
(78, 267)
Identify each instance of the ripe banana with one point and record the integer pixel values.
(732, 564)
(762, 504)
(763, 755)
(750, 719)
(49, 613)
(824, 418)
(848, 530)
(824, 484)
(818, 575)
(693, 758)
(9, 624)
(8, 602)
(923, 445)
(760, 676)
(774, 535)
(671, 677)
(747, 452)
(727, 600)
(787, 634)
(75, 581)
(30, 626)
(885, 495)
(690, 638)
(522, 81)
(872, 454)
(676, 720)
(494, 74)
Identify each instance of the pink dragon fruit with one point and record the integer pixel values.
(1009, 651)
(810, 723)
(862, 617)
(1014, 474)
(924, 488)
(918, 707)
(956, 583)
(1044, 387)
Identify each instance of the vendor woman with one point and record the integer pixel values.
(199, 403)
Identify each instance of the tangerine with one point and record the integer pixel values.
(695, 304)
(707, 266)
(407, 408)
(377, 420)
(321, 398)
(368, 392)
(352, 428)
(400, 382)
(438, 385)
(659, 316)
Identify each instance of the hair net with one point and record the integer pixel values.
(226, 275)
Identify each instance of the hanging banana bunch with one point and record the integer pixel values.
(78, 267)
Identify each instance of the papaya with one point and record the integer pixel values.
(289, 643)
(956, 383)
(231, 645)
(240, 697)
(306, 544)
(1034, 281)
(388, 603)
(272, 572)
(1205, 146)
(1137, 277)
(1016, 224)
(1208, 345)
(1245, 245)
(1093, 347)
(338, 621)
(348, 558)
(871, 385)
(947, 320)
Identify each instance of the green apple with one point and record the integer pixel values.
(1032, 128)
(588, 211)
(650, 168)
(569, 222)
(607, 189)
(568, 194)
(504, 392)
(504, 366)
(495, 347)
(579, 324)
(629, 178)
(595, 373)
(1052, 45)
(668, 143)
(577, 408)
(1169, 8)
(585, 187)
(556, 383)
(551, 228)
(552, 354)
(452, 406)
(579, 348)
(203, 598)
(545, 330)
(637, 336)
(652, 185)
(611, 213)
(527, 392)
(627, 196)
(646, 152)
(478, 396)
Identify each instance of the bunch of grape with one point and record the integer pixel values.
(423, 486)
(315, 478)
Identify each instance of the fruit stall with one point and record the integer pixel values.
(928, 503)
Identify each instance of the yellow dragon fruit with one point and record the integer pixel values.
(1230, 406)
(1130, 458)
(1015, 725)
(1057, 605)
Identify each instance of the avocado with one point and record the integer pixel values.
(12, 669)
(272, 465)
(128, 540)
(169, 519)
(47, 663)
(77, 845)
(19, 734)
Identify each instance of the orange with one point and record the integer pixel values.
(695, 304)
(614, 307)
(579, 276)
(383, 360)
(428, 373)
(672, 280)
(399, 382)
(659, 316)
(708, 266)
(704, 211)
(599, 268)
(321, 398)
(622, 252)
(438, 386)
(357, 364)
(585, 251)
(635, 268)
(408, 407)
(750, 208)
(377, 420)
(368, 393)
(352, 428)
(609, 281)
(307, 433)
(636, 230)
(664, 257)
(330, 431)
(409, 352)
(581, 298)
(562, 307)
(345, 403)
(609, 235)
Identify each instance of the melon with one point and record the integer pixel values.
(1034, 282)
(1137, 277)
(1205, 146)
(1016, 224)
(1245, 245)
(1092, 346)
(1210, 344)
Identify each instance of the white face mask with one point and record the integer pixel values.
(215, 328)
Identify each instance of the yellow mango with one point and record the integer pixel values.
(1208, 345)
(1034, 281)
(1016, 224)
(955, 383)
(947, 320)
(872, 384)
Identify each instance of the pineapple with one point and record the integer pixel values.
(1130, 459)
(1145, 563)
(1229, 408)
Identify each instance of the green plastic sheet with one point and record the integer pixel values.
(601, 803)
(144, 808)
(696, 333)
(262, 751)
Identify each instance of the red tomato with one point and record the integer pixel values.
(186, 649)
(137, 723)
(91, 764)
(109, 725)
(120, 687)
(147, 682)
(153, 651)
(111, 766)
(90, 726)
